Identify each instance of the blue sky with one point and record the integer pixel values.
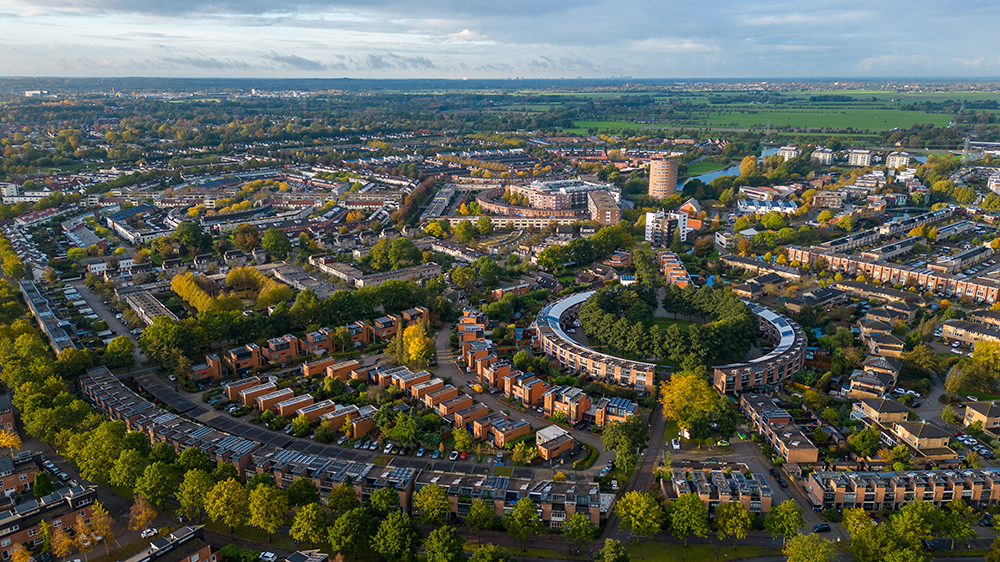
(489, 39)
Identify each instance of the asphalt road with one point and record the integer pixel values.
(96, 302)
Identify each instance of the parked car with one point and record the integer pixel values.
(268, 556)
(821, 528)
(773, 472)
(151, 532)
(341, 440)
(388, 449)
(171, 378)
(453, 456)
(782, 482)
(436, 454)
(358, 444)
(420, 452)
(675, 443)
(500, 459)
(373, 445)
(972, 398)
(462, 455)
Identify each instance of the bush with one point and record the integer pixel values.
(589, 460)
(231, 553)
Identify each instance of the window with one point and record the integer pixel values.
(32, 532)
(23, 476)
(5, 542)
(57, 523)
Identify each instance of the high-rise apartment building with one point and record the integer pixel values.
(662, 177)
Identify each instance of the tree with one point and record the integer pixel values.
(810, 548)
(522, 359)
(42, 485)
(353, 531)
(119, 352)
(62, 543)
(300, 426)
(267, 508)
(194, 458)
(342, 498)
(433, 504)
(158, 482)
(732, 519)
(275, 242)
(640, 514)
(141, 514)
(993, 555)
(579, 531)
(228, 501)
(523, 521)
(612, 551)
(465, 232)
(246, 237)
(445, 545)
(19, 554)
(83, 536)
(785, 519)
(397, 538)
(481, 516)
(485, 226)
(76, 254)
(193, 490)
(310, 523)
(301, 492)
(103, 525)
(384, 501)
(689, 516)
(684, 395)
(463, 439)
(9, 440)
(958, 522)
(490, 553)
(748, 166)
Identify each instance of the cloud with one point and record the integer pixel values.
(207, 63)
(674, 45)
(390, 61)
(296, 62)
(466, 35)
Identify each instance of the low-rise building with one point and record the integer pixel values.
(612, 410)
(874, 491)
(553, 441)
(571, 401)
(987, 414)
(716, 486)
(776, 426)
(245, 359)
(968, 332)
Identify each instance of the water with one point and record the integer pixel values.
(730, 171)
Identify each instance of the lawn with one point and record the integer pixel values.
(664, 323)
(503, 470)
(672, 431)
(980, 395)
(658, 552)
(698, 168)
(253, 534)
(517, 551)
(873, 118)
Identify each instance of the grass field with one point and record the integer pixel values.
(658, 552)
(663, 323)
(980, 395)
(697, 168)
(848, 117)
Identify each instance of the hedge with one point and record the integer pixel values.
(589, 460)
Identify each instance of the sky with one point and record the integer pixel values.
(506, 39)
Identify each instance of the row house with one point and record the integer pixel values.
(717, 486)
(313, 411)
(342, 370)
(17, 473)
(386, 327)
(987, 414)
(968, 332)
(556, 501)
(500, 432)
(289, 406)
(776, 426)
(420, 390)
(886, 345)
(186, 544)
(432, 399)
(988, 318)
(448, 408)
(874, 491)
(571, 401)
(341, 415)
(466, 417)
(517, 290)
(232, 388)
(7, 414)
(361, 333)
(415, 316)
(319, 342)
(248, 396)
(317, 367)
(927, 443)
(61, 509)
(271, 400)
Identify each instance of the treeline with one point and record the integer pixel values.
(11, 262)
(269, 290)
(407, 212)
(585, 250)
(186, 286)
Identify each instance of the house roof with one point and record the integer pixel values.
(884, 406)
(923, 430)
(988, 409)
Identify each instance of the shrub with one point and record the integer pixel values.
(589, 460)
(231, 553)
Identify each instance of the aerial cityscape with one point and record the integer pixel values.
(430, 282)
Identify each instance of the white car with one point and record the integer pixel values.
(453, 456)
(171, 378)
(268, 556)
(388, 449)
(675, 443)
(973, 398)
(148, 533)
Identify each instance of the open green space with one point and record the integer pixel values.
(980, 395)
(516, 552)
(665, 322)
(672, 431)
(697, 168)
(837, 118)
(658, 552)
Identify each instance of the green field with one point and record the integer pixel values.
(649, 551)
(663, 323)
(697, 168)
(848, 117)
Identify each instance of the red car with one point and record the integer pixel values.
(958, 434)
(462, 456)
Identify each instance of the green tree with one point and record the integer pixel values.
(342, 498)
(353, 532)
(228, 501)
(579, 531)
(119, 352)
(267, 509)
(689, 516)
(732, 519)
(397, 538)
(785, 519)
(42, 485)
(128, 468)
(524, 522)
(463, 439)
(158, 482)
(485, 226)
(384, 501)
(490, 553)
(193, 490)
(194, 458)
(481, 517)
(276, 243)
(993, 555)
(810, 548)
(300, 426)
(444, 545)
(310, 523)
(639, 513)
(465, 232)
(612, 551)
(433, 504)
